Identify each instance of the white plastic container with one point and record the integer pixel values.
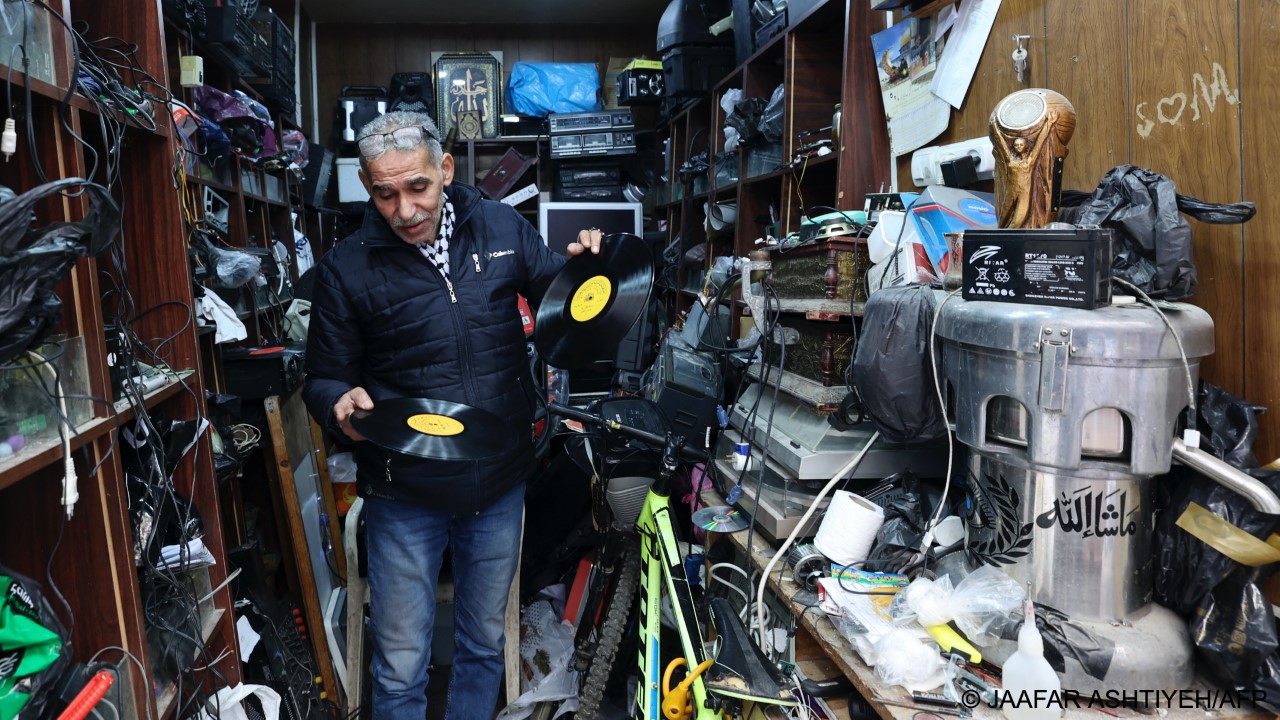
(1032, 690)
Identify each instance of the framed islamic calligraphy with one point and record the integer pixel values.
(468, 85)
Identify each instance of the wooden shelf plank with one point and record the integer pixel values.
(38, 455)
(802, 606)
(825, 310)
(814, 394)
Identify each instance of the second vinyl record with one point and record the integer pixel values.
(593, 302)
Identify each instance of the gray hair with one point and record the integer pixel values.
(392, 121)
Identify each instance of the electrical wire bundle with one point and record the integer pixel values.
(108, 73)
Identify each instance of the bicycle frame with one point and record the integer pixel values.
(661, 568)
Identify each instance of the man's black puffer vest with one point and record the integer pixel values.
(383, 318)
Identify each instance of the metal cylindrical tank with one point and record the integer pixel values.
(1070, 413)
(1050, 383)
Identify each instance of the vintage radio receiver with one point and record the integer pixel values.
(597, 143)
(584, 122)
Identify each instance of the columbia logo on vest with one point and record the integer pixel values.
(500, 253)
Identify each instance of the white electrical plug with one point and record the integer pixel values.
(9, 139)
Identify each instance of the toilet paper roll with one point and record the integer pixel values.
(849, 528)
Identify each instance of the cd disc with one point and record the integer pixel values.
(593, 302)
(433, 429)
(721, 518)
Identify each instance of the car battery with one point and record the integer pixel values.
(1066, 268)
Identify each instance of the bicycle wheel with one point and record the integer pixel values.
(615, 621)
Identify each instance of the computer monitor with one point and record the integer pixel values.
(559, 222)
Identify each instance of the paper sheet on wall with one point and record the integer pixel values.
(964, 48)
(906, 60)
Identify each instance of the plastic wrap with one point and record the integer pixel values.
(771, 116)
(728, 102)
(233, 268)
(546, 649)
(342, 468)
(985, 600)
(744, 119)
(243, 126)
(293, 143)
(34, 260)
(903, 659)
(539, 89)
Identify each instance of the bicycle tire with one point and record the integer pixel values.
(615, 621)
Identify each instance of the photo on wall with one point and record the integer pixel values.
(468, 92)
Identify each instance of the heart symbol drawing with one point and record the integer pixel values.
(1171, 100)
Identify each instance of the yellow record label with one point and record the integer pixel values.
(590, 298)
(433, 424)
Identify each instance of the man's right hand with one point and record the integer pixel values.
(354, 398)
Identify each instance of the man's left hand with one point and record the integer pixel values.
(587, 239)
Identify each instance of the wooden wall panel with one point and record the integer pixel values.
(994, 77)
(1086, 44)
(369, 54)
(1194, 138)
(1259, 23)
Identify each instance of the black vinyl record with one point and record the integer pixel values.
(433, 429)
(593, 302)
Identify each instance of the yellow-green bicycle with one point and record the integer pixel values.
(641, 542)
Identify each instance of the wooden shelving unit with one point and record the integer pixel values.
(90, 557)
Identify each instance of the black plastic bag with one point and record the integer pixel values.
(1229, 619)
(1187, 570)
(906, 513)
(1234, 632)
(1066, 639)
(34, 260)
(745, 118)
(1229, 424)
(891, 368)
(771, 116)
(1145, 209)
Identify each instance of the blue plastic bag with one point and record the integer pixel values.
(539, 89)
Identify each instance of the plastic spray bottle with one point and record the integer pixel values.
(1032, 689)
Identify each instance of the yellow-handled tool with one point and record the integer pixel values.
(677, 704)
(949, 640)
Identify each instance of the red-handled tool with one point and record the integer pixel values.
(88, 697)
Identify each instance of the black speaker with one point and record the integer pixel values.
(413, 92)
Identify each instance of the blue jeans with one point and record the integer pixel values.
(406, 547)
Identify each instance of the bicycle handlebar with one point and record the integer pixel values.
(687, 453)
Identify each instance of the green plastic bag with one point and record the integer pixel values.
(32, 647)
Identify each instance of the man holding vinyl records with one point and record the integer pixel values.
(415, 332)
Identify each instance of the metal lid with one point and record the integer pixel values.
(1116, 332)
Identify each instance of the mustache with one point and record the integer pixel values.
(420, 217)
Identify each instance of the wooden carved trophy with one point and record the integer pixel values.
(1030, 130)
